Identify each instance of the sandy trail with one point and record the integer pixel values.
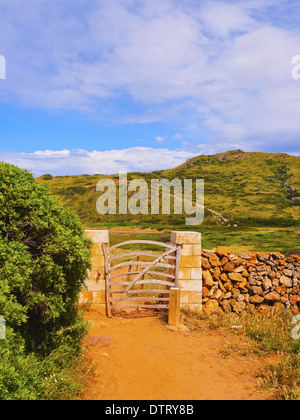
(148, 361)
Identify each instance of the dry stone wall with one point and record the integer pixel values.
(259, 282)
(217, 280)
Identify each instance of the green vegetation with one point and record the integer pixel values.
(70, 191)
(238, 239)
(47, 177)
(258, 193)
(250, 190)
(44, 256)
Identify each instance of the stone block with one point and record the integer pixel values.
(197, 250)
(97, 261)
(184, 274)
(196, 273)
(96, 274)
(190, 262)
(186, 237)
(95, 286)
(99, 297)
(184, 297)
(195, 298)
(97, 249)
(193, 307)
(186, 250)
(98, 236)
(191, 285)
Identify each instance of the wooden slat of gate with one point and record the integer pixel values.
(143, 263)
(149, 298)
(157, 273)
(148, 281)
(142, 254)
(142, 306)
(138, 291)
(143, 243)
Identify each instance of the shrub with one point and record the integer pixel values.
(47, 177)
(70, 191)
(44, 257)
(25, 376)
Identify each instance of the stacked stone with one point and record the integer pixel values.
(190, 282)
(95, 294)
(259, 282)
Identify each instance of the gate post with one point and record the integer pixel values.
(190, 269)
(174, 307)
(96, 294)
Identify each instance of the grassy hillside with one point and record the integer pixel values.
(255, 189)
(245, 186)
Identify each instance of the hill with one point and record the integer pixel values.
(255, 189)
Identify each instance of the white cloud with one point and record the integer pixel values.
(221, 18)
(259, 102)
(160, 139)
(227, 59)
(76, 162)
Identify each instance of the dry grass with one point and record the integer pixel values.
(271, 335)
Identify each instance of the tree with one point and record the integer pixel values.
(44, 257)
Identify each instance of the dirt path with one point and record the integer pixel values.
(148, 361)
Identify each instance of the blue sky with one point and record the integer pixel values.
(105, 86)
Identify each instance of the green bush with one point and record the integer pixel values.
(44, 257)
(70, 191)
(25, 376)
(47, 177)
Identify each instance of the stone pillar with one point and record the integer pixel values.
(95, 282)
(190, 271)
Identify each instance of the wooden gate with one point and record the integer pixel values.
(140, 279)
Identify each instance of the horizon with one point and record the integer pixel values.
(145, 85)
(113, 174)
